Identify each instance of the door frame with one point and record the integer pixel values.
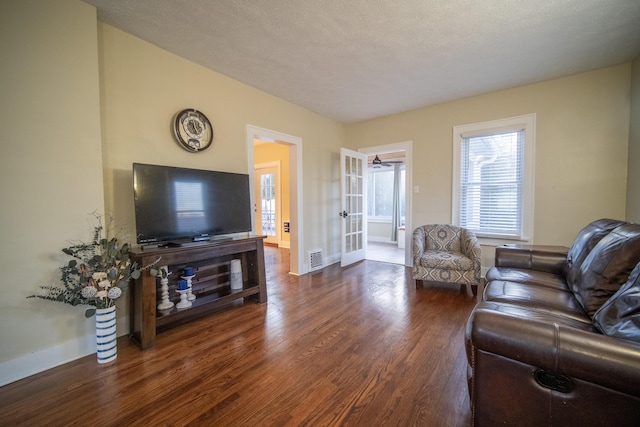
(296, 264)
(407, 147)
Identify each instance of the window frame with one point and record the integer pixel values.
(526, 122)
(383, 219)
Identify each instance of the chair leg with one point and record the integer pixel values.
(418, 283)
(469, 291)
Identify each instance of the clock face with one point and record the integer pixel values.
(192, 130)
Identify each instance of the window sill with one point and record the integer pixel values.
(381, 220)
(492, 241)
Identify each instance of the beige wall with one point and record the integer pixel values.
(50, 163)
(379, 231)
(581, 149)
(265, 153)
(633, 180)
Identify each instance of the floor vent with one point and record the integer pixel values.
(315, 259)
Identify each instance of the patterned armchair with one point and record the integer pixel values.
(446, 253)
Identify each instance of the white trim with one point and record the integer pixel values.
(407, 147)
(297, 265)
(527, 122)
(39, 361)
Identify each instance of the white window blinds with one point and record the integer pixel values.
(492, 184)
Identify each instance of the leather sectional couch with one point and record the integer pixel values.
(556, 339)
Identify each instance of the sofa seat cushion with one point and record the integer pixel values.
(557, 302)
(607, 267)
(620, 315)
(522, 275)
(446, 260)
(531, 313)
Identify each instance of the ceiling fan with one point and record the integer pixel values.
(376, 162)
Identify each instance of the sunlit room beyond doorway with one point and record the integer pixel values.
(385, 252)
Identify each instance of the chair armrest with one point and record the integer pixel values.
(550, 259)
(419, 242)
(471, 248)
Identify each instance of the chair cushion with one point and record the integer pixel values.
(620, 315)
(445, 260)
(443, 238)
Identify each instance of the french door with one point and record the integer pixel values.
(267, 190)
(353, 217)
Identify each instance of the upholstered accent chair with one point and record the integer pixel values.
(446, 253)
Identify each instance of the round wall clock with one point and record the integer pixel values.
(193, 130)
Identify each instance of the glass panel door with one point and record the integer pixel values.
(267, 204)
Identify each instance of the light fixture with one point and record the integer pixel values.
(376, 162)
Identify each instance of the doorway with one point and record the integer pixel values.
(291, 227)
(389, 228)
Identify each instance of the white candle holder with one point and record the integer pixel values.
(165, 303)
(190, 295)
(184, 302)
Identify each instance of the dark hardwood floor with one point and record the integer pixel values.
(358, 346)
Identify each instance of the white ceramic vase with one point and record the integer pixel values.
(235, 275)
(106, 343)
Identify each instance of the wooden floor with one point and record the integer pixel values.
(358, 346)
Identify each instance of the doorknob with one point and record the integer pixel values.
(344, 214)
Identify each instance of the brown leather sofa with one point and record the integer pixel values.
(556, 339)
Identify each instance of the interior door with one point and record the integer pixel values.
(353, 216)
(267, 193)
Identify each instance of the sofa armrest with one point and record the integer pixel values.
(577, 353)
(550, 259)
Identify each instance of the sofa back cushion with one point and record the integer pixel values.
(607, 267)
(587, 238)
(619, 316)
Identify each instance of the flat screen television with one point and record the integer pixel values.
(175, 204)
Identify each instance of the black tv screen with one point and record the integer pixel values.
(174, 203)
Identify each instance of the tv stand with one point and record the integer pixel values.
(210, 261)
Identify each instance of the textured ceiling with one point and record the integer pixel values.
(354, 60)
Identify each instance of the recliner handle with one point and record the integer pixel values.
(553, 381)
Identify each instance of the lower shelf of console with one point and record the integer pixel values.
(203, 304)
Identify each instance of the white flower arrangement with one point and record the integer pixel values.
(96, 275)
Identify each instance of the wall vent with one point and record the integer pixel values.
(315, 259)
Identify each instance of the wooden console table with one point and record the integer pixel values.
(210, 262)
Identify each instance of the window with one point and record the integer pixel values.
(493, 178)
(380, 194)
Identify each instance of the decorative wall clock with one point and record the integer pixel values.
(193, 130)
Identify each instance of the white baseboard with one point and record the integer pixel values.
(379, 239)
(38, 361)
